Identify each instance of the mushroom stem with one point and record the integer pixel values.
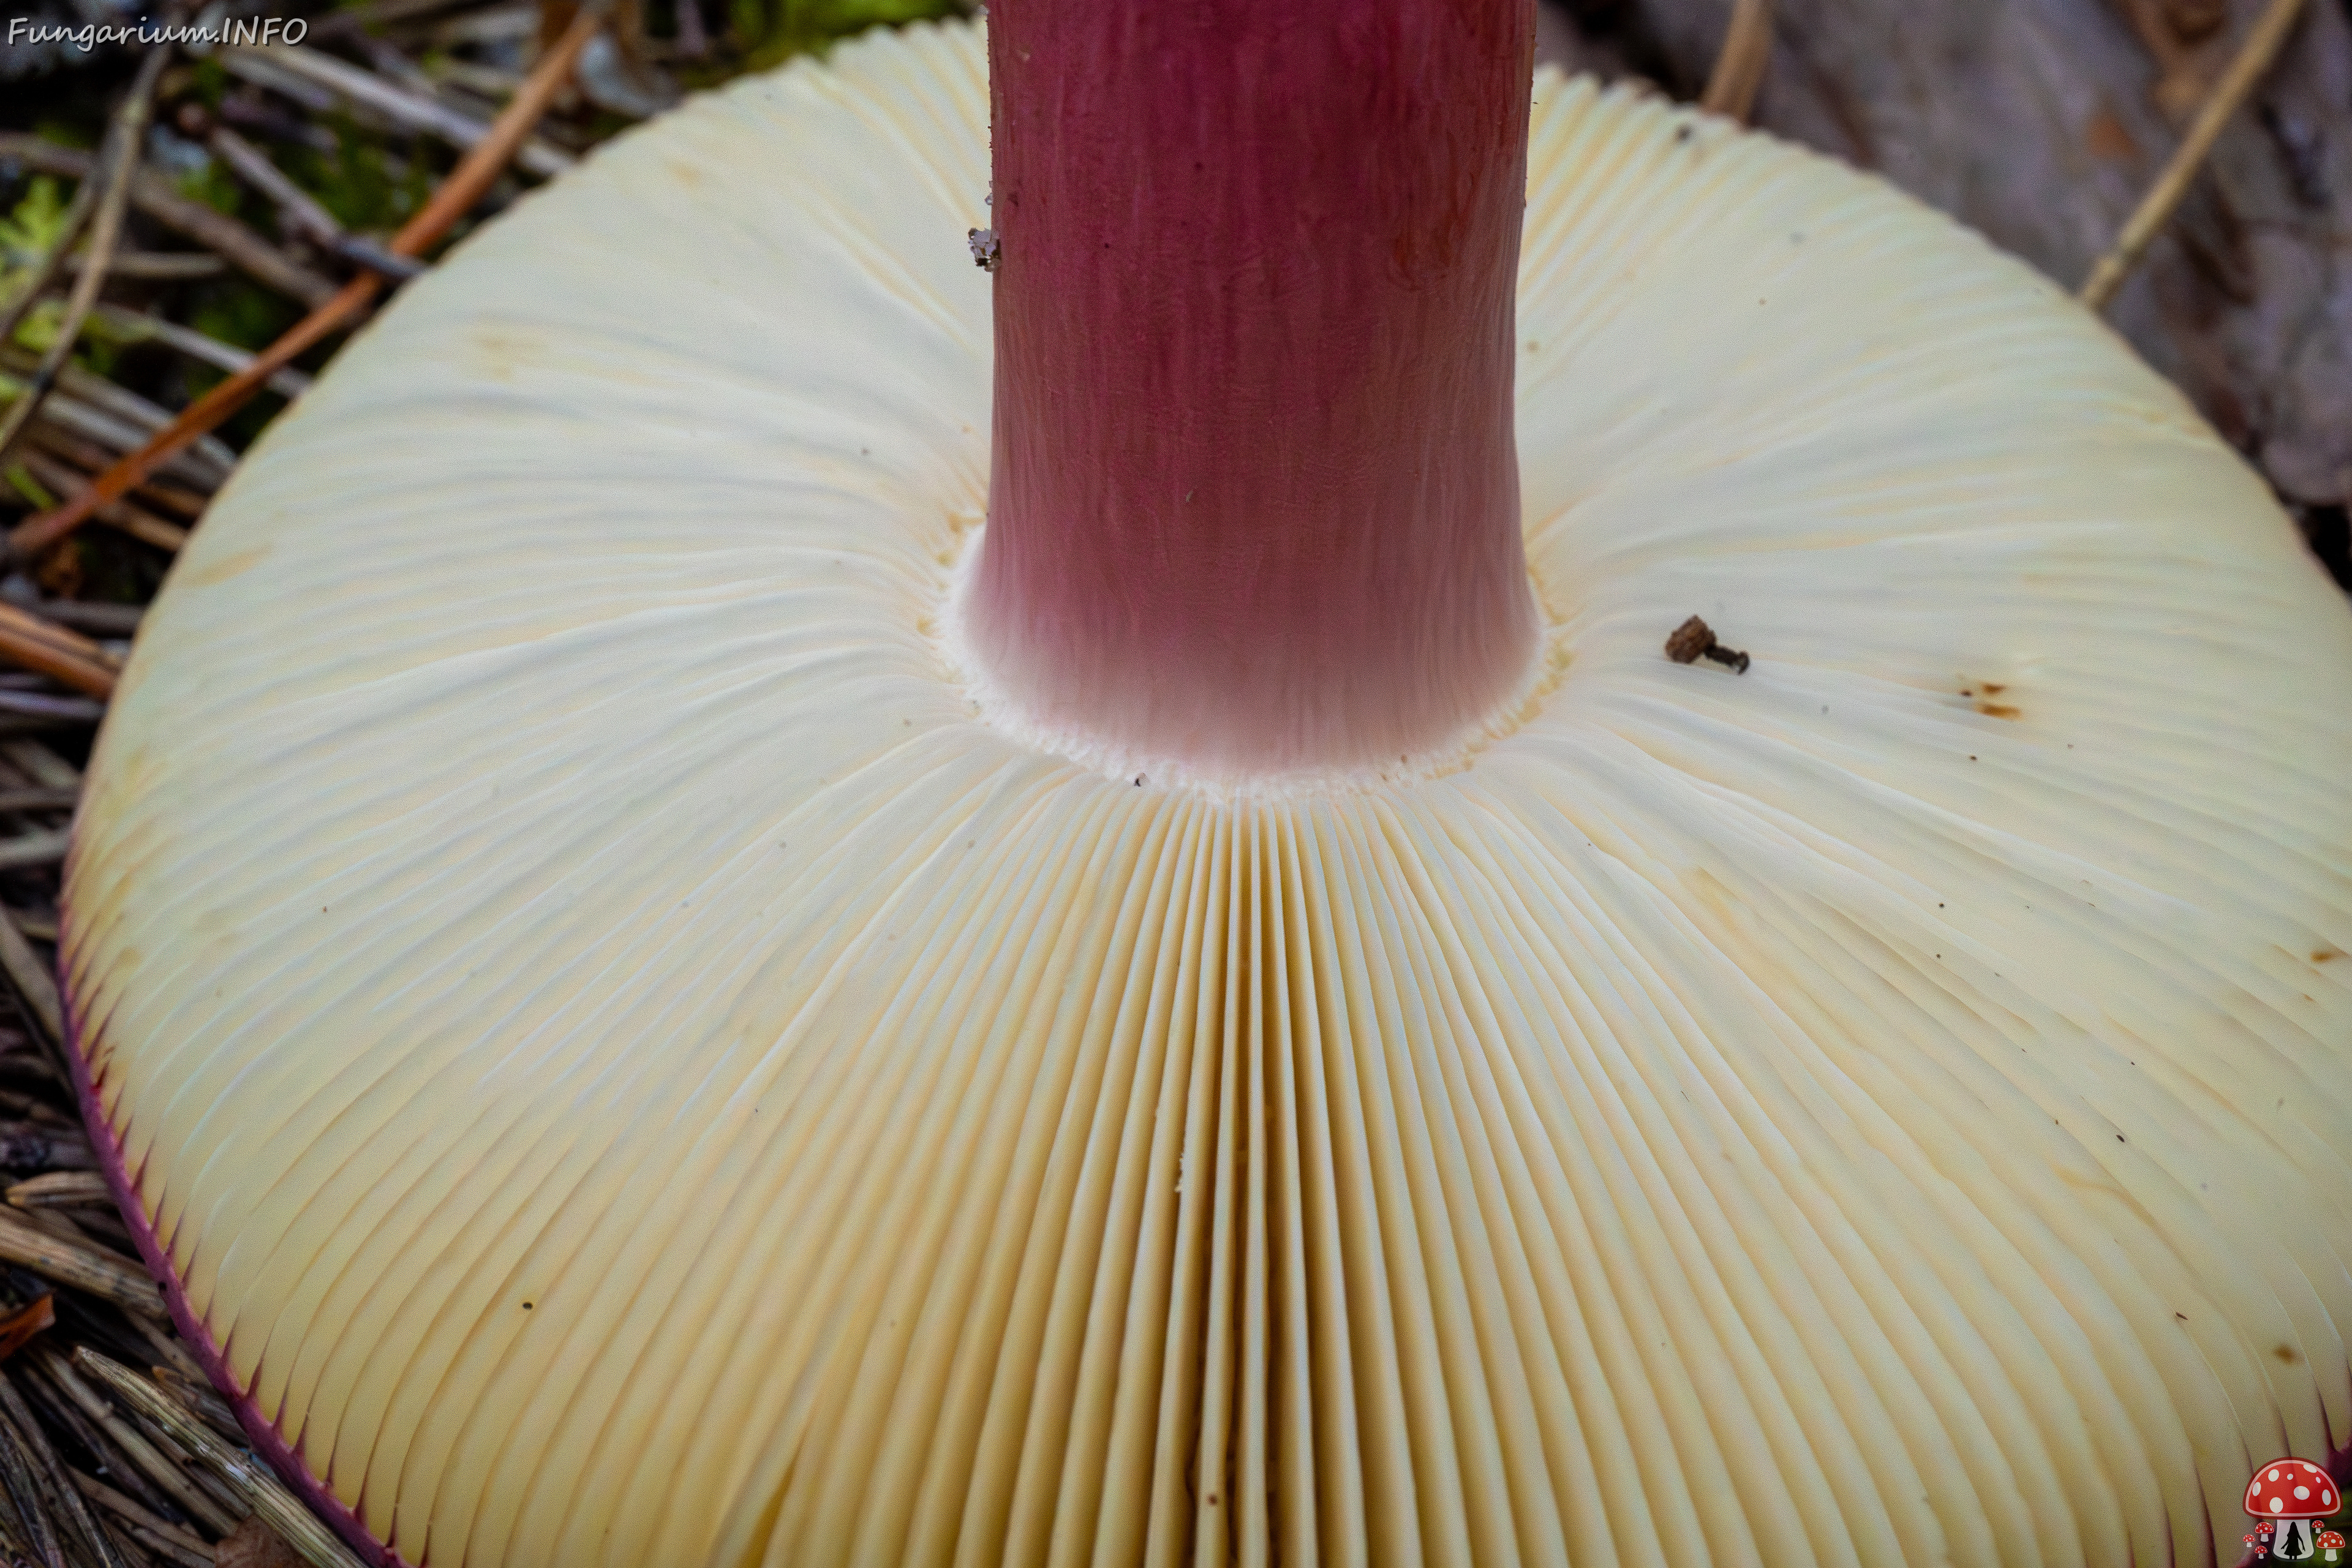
(1254, 500)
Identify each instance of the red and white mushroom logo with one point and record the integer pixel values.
(2331, 1546)
(2291, 1493)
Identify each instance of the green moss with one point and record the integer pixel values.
(31, 227)
(20, 480)
(209, 82)
(244, 314)
(772, 31)
(215, 186)
(357, 183)
(97, 349)
(70, 133)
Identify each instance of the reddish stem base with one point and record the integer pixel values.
(1254, 503)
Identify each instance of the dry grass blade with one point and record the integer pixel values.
(70, 1500)
(18, 1475)
(37, 533)
(44, 1393)
(40, 764)
(89, 439)
(53, 651)
(61, 1189)
(156, 1466)
(2261, 46)
(198, 1396)
(43, 707)
(36, 799)
(172, 1351)
(153, 1529)
(132, 325)
(378, 14)
(456, 194)
(140, 524)
(256, 1545)
(83, 1267)
(148, 265)
(33, 980)
(410, 111)
(240, 247)
(93, 1296)
(17, 1103)
(279, 1509)
(210, 460)
(118, 161)
(46, 847)
(49, 1222)
(91, 616)
(297, 210)
(1740, 68)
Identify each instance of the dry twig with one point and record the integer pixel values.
(100, 620)
(146, 527)
(106, 415)
(42, 1391)
(40, 764)
(24, 1487)
(91, 457)
(1739, 68)
(2254, 57)
(279, 1509)
(129, 1512)
(456, 194)
(215, 231)
(198, 1396)
(407, 109)
(297, 210)
(44, 708)
(46, 848)
(83, 1267)
(150, 266)
(55, 1189)
(157, 1467)
(57, 653)
(68, 1498)
(132, 325)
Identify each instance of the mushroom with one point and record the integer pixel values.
(2290, 1494)
(2331, 1545)
(661, 994)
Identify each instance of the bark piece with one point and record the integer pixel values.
(2042, 123)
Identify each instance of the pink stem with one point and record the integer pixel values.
(1255, 505)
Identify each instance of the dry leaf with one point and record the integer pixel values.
(255, 1545)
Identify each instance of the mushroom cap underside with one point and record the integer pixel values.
(626, 1066)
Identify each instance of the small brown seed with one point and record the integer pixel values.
(1689, 640)
(1693, 640)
